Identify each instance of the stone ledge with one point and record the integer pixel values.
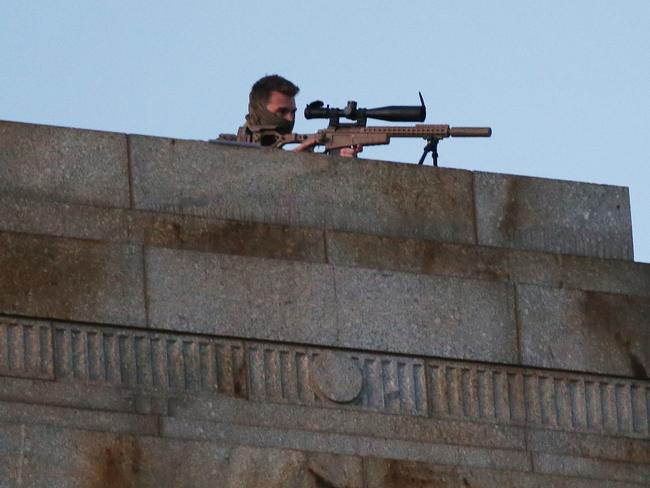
(350, 422)
(591, 468)
(344, 444)
(310, 244)
(97, 420)
(589, 446)
(488, 263)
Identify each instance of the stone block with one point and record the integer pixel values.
(488, 263)
(383, 426)
(56, 164)
(71, 279)
(226, 236)
(72, 395)
(435, 316)
(417, 256)
(65, 457)
(579, 272)
(320, 304)
(61, 219)
(333, 443)
(241, 296)
(308, 190)
(553, 216)
(99, 420)
(11, 450)
(606, 275)
(390, 473)
(636, 451)
(584, 331)
(591, 468)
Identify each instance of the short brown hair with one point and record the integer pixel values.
(263, 87)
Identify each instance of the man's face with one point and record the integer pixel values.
(282, 106)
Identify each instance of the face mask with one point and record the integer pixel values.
(258, 115)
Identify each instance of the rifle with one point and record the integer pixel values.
(339, 135)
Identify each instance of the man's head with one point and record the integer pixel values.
(271, 102)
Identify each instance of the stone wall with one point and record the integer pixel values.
(179, 313)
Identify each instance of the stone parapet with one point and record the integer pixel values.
(72, 166)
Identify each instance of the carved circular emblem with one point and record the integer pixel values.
(336, 376)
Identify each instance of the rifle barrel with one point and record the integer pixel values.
(470, 132)
(438, 131)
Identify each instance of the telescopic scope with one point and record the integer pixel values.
(392, 113)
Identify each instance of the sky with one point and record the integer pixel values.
(565, 86)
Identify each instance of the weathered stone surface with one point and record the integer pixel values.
(585, 331)
(61, 219)
(305, 303)
(318, 304)
(408, 313)
(459, 390)
(26, 348)
(240, 296)
(416, 256)
(64, 458)
(635, 451)
(80, 395)
(226, 236)
(345, 422)
(311, 190)
(610, 276)
(488, 263)
(106, 421)
(71, 279)
(308, 244)
(336, 376)
(11, 450)
(146, 370)
(63, 165)
(579, 272)
(231, 433)
(149, 362)
(591, 468)
(384, 473)
(555, 216)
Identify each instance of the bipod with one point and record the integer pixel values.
(431, 147)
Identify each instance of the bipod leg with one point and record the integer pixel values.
(431, 147)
